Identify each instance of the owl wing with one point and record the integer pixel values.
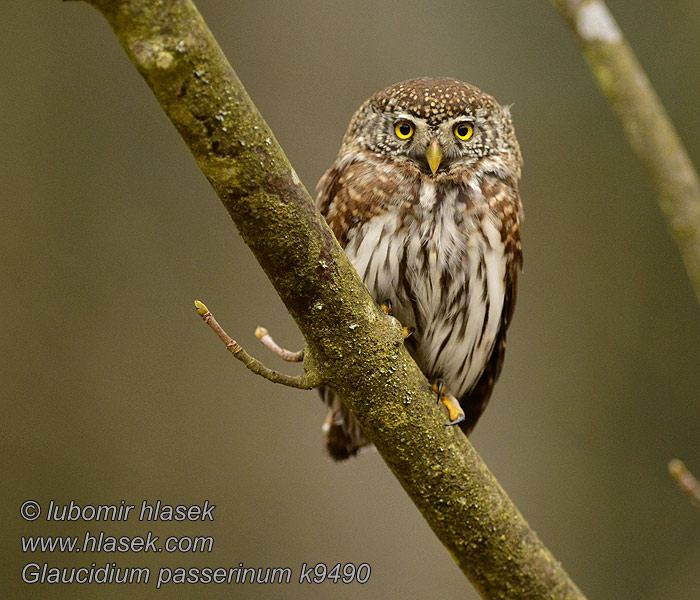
(326, 189)
(475, 400)
(333, 201)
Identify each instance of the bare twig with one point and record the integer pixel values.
(264, 336)
(649, 130)
(685, 480)
(302, 382)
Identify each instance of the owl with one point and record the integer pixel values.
(424, 199)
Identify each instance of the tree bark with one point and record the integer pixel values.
(352, 346)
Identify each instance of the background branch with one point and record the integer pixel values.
(686, 480)
(350, 342)
(649, 130)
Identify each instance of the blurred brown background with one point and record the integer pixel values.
(112, 388)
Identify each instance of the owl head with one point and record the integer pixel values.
(437, 125)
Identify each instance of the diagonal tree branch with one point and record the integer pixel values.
(649, 130)
(351, 345)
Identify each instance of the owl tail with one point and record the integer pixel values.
(344, 436)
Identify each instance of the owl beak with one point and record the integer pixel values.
(434, 155)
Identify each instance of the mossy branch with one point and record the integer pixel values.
(351, 344)
(649, 130)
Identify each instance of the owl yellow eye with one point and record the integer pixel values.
(464, 131)
(404, 130)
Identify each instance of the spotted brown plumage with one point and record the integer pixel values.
(423, 197)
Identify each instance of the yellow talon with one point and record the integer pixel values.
(387, 306)
(453, 408)
(450, 402)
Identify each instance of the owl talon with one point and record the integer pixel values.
(387, 306)
(450, 403)
(453, 408)
(439, 386)
(457, 420)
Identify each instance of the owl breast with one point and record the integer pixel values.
(438, 256)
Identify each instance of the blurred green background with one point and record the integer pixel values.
(112, 388)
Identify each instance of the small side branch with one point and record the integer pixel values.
(264, 336)
(302, 382)
(685, 480)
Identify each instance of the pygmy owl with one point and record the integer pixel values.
(423, 197)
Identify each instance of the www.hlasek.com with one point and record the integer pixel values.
(111, 573)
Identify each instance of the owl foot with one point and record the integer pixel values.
(387, 306)
(450, 402)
